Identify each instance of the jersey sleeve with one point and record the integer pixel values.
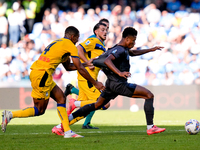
(117, 53)
(88, 45)
(74, 51)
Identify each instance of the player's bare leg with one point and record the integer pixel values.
(141, 92)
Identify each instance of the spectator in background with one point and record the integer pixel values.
(126, 19)
(30, 10)
(5, 54)
(56, 29)
(91, 16)
(3, 27)
(173, 6)
(153, 14)
(22, 18)
(106, 2)
(17, 67)
(53, 15)
(166, 20)
(105, 13)
(117, 34)
(73, 7)
(46, 15)
(46, 31)
(28, 54)
(133, 5)
(97, 11)
(14, 24)
(161, 5)
(195, 6)
(115, 14)
(141, 18)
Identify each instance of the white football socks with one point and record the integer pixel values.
(70, 117)
(77, 103)
(149, 126)
(58, 126)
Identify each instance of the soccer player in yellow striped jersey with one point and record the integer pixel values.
(43, 86)
(91, 48)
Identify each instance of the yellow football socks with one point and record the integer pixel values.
(61, 109)
(27, 112)
(75, 120)
(83, 103)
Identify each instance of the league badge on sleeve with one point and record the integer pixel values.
(114, 51)
(87, 43)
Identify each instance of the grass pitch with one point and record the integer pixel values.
(119, 130)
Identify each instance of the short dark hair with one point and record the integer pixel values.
(103, 20)
(129, 31)
(97, 26)
(71, 30)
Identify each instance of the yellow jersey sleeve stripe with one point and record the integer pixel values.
(75, 56)
(83, 48)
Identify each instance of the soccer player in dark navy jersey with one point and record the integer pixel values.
(115, 64)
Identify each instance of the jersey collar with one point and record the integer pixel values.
(94, 36)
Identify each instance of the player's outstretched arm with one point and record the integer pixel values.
(144, 51)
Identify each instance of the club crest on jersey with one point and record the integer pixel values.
(88, 42)
(114, 51)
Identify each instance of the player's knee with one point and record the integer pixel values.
(61, 100)
(106, 106)
(99, 105)
(41, 111)
(150, 95)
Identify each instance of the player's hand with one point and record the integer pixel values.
(90, 64)
(125, 74)
(99, 86)
(91, 67)
(157, 48)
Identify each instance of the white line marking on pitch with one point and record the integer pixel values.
(86, 132)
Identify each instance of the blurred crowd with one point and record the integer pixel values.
(173, 24)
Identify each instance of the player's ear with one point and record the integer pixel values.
(72, 38)
(96, 31)
(127, 39)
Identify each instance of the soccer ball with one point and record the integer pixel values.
(192, 126)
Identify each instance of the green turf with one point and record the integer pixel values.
(119, 130)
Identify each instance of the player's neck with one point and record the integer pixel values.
(122, 43)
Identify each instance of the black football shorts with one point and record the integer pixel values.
(113, 89)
